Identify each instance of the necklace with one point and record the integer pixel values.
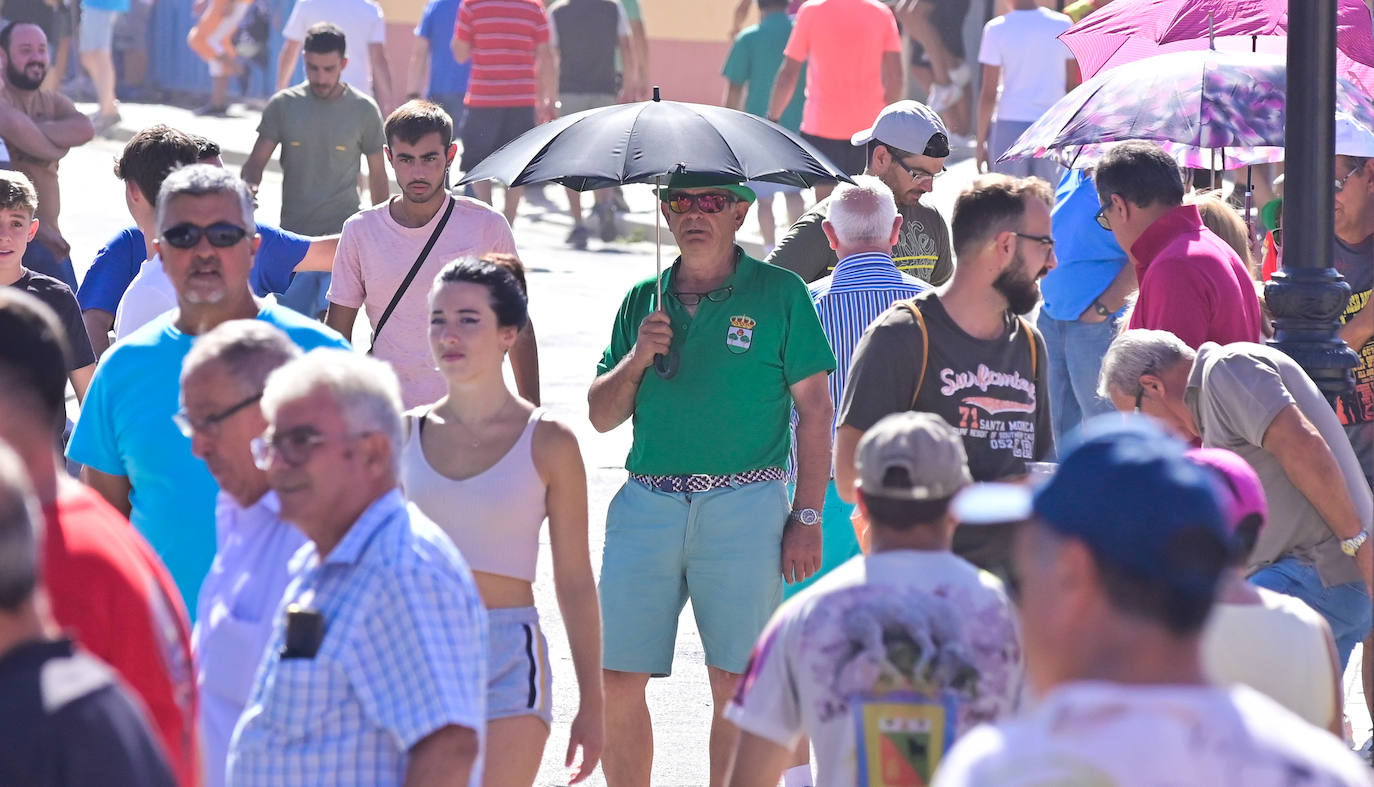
(473, 438)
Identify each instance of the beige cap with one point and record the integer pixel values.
(912, 456)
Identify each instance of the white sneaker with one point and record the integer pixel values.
(961, 75)
(942, 97)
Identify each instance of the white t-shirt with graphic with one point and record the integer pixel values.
(1181, 736)
(883, 663)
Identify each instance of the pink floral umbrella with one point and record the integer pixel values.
(1129, 30)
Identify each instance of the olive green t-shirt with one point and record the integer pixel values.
(728, 408)
(923, 247)
(322, 145)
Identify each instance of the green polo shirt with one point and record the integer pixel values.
(728, 409)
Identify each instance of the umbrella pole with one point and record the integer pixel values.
(658, 241)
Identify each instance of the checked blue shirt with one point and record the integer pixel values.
(404, 655)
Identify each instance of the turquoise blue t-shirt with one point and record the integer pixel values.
(126, 428)
(754, 61)
(1089, 256)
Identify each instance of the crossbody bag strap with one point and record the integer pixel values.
(910, 305)
(410, 277)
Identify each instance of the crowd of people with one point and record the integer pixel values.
(1016, 498)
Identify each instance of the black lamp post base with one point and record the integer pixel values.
(1307, 304)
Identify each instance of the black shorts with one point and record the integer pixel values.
(948, 18)
(485, 129)
(849, 158)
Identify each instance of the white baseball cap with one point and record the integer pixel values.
(910, 126)
(1353, 138)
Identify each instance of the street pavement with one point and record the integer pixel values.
(573, 298)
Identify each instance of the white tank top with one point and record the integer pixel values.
(494, 517)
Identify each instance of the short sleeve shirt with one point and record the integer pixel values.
(504, 35)
(126, 429)
(739, 358)
(1356, 264)
(923, 247)
(993, 391)
(754, 61)
(888, 655)
(446, 75)
(843, 43)
(58, 297)
(322, 146)
(362, 22)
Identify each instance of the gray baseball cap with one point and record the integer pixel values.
(912, 456)
(910, 126)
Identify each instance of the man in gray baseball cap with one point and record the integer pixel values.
(907, 637)
(906, 148)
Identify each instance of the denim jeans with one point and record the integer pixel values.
(1347, 608)
(1075, 353)
(306, 294)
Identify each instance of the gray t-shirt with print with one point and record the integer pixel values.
(923, 249)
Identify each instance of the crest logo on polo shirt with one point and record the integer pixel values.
(740, 337)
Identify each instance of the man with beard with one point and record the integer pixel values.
(906, 150)
(381, 246)
(61, 126)
(965, 352)
(325, 127)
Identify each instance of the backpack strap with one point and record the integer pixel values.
(1030, 337)
(910, 305)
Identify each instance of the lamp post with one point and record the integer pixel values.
(1307, 295)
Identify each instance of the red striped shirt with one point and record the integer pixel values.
(503, 35)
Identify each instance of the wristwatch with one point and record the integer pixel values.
(1352, 545)
(806, 516)
(1101, 310)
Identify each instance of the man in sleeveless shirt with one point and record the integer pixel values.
(966, 353)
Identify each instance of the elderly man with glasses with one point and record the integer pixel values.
(1192, 284)
(906, 149)
(709, 376)
(133, 452)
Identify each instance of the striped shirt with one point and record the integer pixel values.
(404, 655)
(504, 35)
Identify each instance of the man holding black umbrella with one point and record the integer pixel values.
(704, 515)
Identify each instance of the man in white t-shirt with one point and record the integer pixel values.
(893, 654)
(360, 21)
(1118, 570)
(1021, 53)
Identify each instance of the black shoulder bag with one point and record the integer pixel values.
(410, 277)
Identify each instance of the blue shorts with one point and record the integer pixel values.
(97, 30)
(720, 549)
(838, 541)
(519, 681)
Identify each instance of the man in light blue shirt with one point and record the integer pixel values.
(222, 380)
(377, 669)
(133, 453)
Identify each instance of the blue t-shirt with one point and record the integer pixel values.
(754, 61)
(446, 75)
(118, 262)
(1089, 256)
(126, 428)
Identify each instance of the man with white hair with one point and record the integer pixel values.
(135, 456)
(376, 671)
(1258, 402)
(222, 380)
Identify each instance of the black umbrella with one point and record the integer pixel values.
(648, 142)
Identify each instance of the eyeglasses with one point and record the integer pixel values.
(1045, 241)
(210, 424)
(693, 298)
(1340, 182)
(221, 234)
(294, 446)
(1102, 220)
(917, 175)
(1139, 397)
(706, 202)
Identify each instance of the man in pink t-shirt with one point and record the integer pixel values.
(1192, 284)
(853, 55)
(379, 245)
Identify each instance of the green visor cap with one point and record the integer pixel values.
(689, 180)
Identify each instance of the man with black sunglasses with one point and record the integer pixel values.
(906, 149)
(709, 376)
(134, 454)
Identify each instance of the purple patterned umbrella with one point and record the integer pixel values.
(1205, 100)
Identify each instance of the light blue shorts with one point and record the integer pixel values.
(97, 29)
(838, 540)
(519, 681)
(721, 549)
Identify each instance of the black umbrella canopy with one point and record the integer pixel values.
(645, 141)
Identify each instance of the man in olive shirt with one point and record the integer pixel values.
(907, 147)
(704, 514)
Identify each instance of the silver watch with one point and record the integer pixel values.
(806, 516)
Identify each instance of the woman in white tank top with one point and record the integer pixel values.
(488, 466)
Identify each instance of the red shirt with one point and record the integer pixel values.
(110, 591)
(503, 35)
(1192, 284)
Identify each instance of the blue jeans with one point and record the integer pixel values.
(1075, 353)
(39, 259)
(1347, 608)
(306, 294)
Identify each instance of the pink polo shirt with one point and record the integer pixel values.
(842, 43)
(1192, 284)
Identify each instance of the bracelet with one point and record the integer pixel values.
(1101, 310)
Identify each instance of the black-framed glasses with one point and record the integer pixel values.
(1340, 182)
(717, 295)
(707, 202)
(210, 424)
(1102, 220)
(1046, 242)
(221, 234)
(1139, 397)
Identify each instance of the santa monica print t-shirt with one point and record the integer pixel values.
(883, 663)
